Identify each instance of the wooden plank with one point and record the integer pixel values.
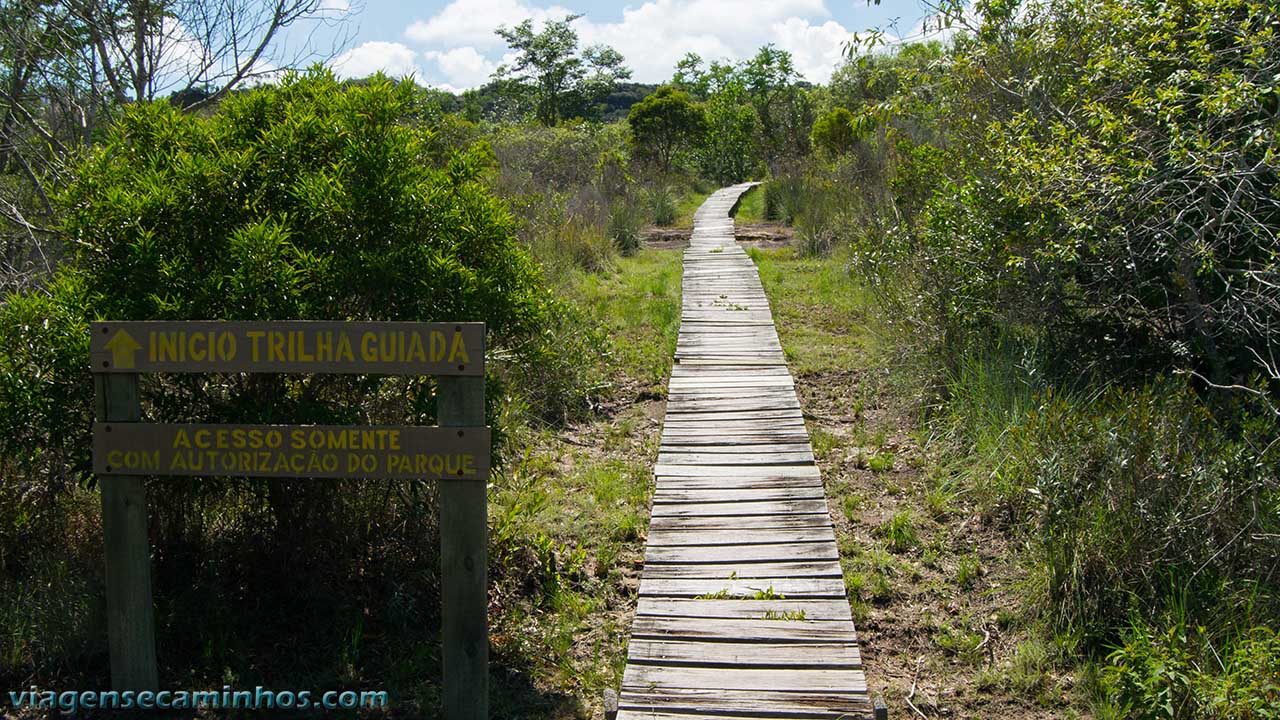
(792, 568)
(711, 588)
(822, 620)
(685, 495)
(689, 554)
(819, 531)
(686, 703)
(738, 457)
(655, 677)
(736, 654)
(739, 522)
(761, 507)
(717, 470)
(760, 627)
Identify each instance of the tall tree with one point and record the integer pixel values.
(665, 123)
(562, 79)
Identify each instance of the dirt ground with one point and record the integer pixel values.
(758, 235)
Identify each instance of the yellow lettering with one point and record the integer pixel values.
(416, 351)
(458, 353)
(367, 349)
(196, 355)
(202, 439)
(227, 346)
(167, 347)
(437, 346)
(344, 348)
(181, 440)
(275, 347)
(256, 337)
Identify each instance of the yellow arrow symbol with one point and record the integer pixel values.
(123, 347)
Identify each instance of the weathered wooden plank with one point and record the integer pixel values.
(690, 554)
(769, 625)
(761, 507)
(685, 495)
(727, 483)
(685, 704)
(793, 620)
(740, 522)
(739, 457)
(655, 677)
(661, 469)
(753, 588)
(793, 568)
(819, 531)
(754, 654)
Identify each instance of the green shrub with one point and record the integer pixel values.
(1189, 670)
(833, 132)
(624, 227)
(663, 205)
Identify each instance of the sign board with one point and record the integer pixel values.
(389, 348)
(319, 451)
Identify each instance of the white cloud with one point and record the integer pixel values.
(394, 59)
(462, 67)
(815, 49)
(472, 22)
(335, 7)
(651, 36)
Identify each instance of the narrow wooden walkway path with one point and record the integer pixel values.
(742, 610)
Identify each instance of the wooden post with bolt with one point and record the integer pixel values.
(464, 559)
(131, 633)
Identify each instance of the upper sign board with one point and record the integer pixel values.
(296, 346)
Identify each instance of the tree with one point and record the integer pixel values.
(68, 66)
(665, 123)
(561, 80)
(833, 132)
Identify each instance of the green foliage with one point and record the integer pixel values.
(663, 206)
(665, 124)
(833, 132)
(1185, 671)
(624, 227)
(727, 155)
(900, 532)
(557, 79)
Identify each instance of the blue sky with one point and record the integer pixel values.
(451, 44)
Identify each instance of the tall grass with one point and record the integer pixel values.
(1151, 521)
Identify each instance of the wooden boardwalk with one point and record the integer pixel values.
(742, 610)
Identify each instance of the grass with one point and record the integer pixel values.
(637, 301)
(823, 315)
(751, 207)
(687, 204)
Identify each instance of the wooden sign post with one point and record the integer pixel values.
(456, 453)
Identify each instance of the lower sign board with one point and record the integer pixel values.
(319, 451)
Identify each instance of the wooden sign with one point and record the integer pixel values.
(390, 348)
(319, 451)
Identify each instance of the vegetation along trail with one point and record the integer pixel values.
(742, 604)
